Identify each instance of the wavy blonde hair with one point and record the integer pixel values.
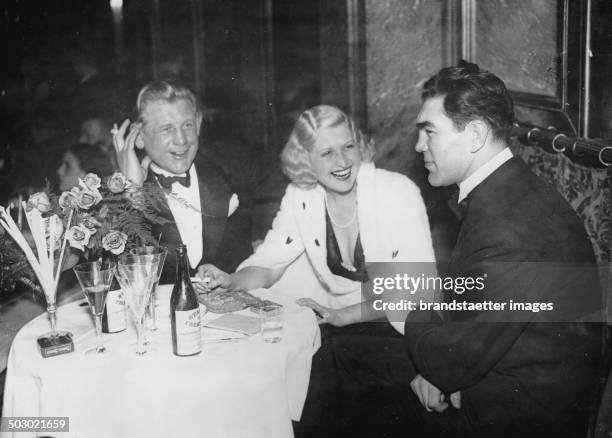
(295, 159)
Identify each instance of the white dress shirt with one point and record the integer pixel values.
(184, 203)
(482, 173)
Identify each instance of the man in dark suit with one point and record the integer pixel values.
(203, 212)
(483, 372)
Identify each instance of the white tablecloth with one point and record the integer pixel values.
(236, 389)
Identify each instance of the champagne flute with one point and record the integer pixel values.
(136, 275)
(148, 252)
(95, 279)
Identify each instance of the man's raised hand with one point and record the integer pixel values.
(126, 154)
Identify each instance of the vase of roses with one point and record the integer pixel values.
(46, 234)
(94, 219)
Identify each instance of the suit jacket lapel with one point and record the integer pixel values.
(213, 205)
(167, 233)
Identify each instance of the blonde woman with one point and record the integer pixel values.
(338, 214)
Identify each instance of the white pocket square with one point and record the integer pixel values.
(233, 205)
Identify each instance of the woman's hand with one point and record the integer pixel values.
(212, 278)
(325, 315)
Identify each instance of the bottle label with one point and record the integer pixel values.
(188, 332)
(115, 311)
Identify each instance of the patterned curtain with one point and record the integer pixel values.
(589, 191)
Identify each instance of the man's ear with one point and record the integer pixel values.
(479, 132)
(198, 122)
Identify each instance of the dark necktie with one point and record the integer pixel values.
(458, 208)
(167, 181)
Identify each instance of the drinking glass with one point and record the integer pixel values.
(136, 276)
(271, 319)
(149, 252)
(95, 279)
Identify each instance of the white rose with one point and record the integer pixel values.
(68, 200)
(78, 237)
(40, 201)
(88, 198)
(92, 181)
(115, 242)
(117, 182)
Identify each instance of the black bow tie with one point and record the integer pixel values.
(458, 208)
(167, 181)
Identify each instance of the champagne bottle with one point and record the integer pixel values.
(184, 310)
(113, 318)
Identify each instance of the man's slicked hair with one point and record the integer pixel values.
(164, 90)
(473, 94)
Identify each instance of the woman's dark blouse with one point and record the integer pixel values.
(334, 258)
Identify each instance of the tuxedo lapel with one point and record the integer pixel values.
(170, 236)
(214, 202)
(213, 221)
(167, 234)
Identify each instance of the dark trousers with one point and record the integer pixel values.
(360, 387)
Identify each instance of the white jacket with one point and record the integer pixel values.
(393, 227)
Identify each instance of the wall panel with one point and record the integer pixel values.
(404, 48)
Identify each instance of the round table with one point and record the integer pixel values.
(244, 388)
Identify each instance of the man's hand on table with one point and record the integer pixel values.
(431, 397)
(212, 278)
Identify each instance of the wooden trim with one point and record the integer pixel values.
(572, 96)
(585, 113)
(575, 64)
(356, 65)
(468, 29)
(451, 32)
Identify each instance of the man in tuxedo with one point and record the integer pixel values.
(203, 212)
(482, 372)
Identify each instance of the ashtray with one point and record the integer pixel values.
(55, 344)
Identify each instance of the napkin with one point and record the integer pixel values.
(232, 322)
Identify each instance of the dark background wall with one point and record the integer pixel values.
(262, 61)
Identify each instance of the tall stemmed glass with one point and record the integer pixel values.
(95, 279)
(136, 276)
(145, 253)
